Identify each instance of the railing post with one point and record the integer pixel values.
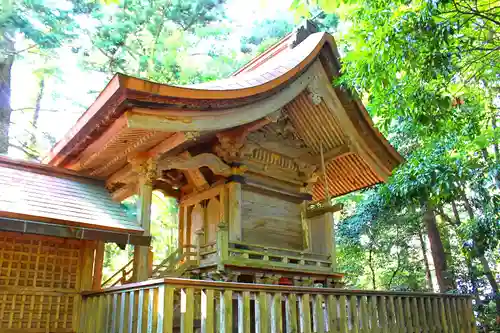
(222, 245)
(200, 233)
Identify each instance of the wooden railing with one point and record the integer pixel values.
(172, 305)
(285, 258)
(121, 276)
(175, 264)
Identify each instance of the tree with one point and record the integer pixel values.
(42, 27)
(147, 38)
(428, 72)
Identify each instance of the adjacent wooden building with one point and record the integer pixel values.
(53, 224)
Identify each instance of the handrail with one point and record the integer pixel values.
(170, 305)
(299, 252)
(166, 261)
(261, 287)
(278, 255)
(118, 272)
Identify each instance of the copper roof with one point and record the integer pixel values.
(38, 193)
(111, 129)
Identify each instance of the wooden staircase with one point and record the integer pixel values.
(175, 265)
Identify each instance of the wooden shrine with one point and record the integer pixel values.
(253, 161)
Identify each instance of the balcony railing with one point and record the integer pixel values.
(278, 257)
(172, 305)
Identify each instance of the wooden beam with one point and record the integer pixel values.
(124, 192)
(193, 175)
(194, 198)
(310, 213)
(124, 174)
(121, 176)
(185, 161)
(174, 121)
(332, 154)
(98, 265)
(94, 150)
(167, 145)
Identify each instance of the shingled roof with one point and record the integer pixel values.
(46, 200)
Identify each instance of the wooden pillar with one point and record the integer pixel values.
(222, 245)
(306, 236)
(200, 236)
(146, 170)
(98, 265)
(234, 204)
(87, 265)
(182, 225)
(322, 236)
(330, 238)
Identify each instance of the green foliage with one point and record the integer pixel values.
(428, 72)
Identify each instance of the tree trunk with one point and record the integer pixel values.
(36, 112)
(370, 264)
(437, 248)
(6, 61)
(484, 262)
(495, 145)
(426, 262)
(470, 267)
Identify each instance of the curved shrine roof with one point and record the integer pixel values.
(132, 115)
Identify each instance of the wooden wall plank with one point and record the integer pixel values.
(271, 221)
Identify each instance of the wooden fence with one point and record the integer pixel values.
(180, 305)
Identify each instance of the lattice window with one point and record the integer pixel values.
(38, 262)
(42, 311)
(38, 282)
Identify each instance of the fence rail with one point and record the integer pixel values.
(171, 305)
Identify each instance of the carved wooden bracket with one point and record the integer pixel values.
(145, 167)
(185, 162)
